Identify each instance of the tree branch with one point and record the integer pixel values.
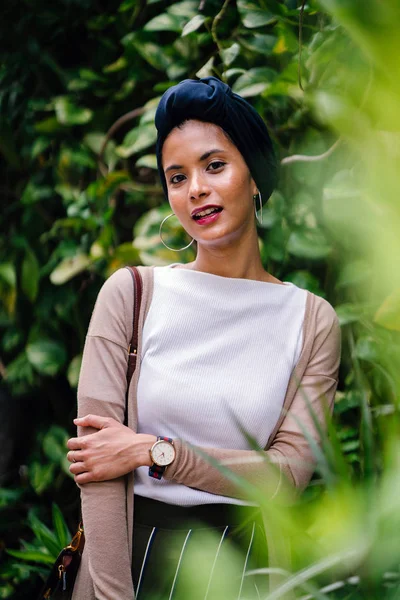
(117, 125)
(215, 23)
(304, 158)
(300, 43)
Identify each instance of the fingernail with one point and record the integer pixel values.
(77, 419)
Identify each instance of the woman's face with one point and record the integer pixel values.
(202, 166)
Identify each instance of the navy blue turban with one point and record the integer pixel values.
(213, 101)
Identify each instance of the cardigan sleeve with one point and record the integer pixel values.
(290, 454)
(101, 391)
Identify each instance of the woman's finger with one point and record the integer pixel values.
(74, 444)
(83, 478)
(74, 456)
(77, 468)
(94, 421)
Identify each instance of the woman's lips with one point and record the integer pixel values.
(208, 218)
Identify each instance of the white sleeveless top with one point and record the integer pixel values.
(216, 351)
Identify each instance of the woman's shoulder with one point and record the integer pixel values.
(323, 310)
(116, 286)
(117, 292)
(325, 323)
(119, 283)
(113, 309)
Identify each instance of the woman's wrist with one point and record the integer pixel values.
(143, 452)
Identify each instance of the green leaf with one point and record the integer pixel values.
(39, 557)
(68, 113)
(127, 5)
(118, 65)
(388, 314)
(148, 160)
(90, 75)
(74, 370)
(40, 145)
(176, 70)
(47, 356)
(50, 126)
(94, 141)
(207, 69)
(232, 72)
(305, 280)
(252, 16)
(41, 476)
(350, 446)
(229, 54)
(259, 42)
(254, 82)
(137, 139)
(44, 535)
(62, 532)
(150, 109)
(152, 53)
(186, 8)
(9, 497)
(350, 313)
(193, 25)
(30, 275)
(8, 290)
(8, 274)
(367, 349)
(11, 339)
(69, 268)
(309, 244)
(287, 41)
(20, 374)
(76, 157)
(125, 254)
(35, 193)
(54, 447)
(164, 22)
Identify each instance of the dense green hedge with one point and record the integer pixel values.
(79, 85)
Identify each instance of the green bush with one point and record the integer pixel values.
(79, 85)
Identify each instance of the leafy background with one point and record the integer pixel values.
(79, 86)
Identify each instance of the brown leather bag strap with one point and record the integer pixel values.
(78, 541)
(133, 346)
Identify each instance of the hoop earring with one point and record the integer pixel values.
(255, 210)
(174, 249)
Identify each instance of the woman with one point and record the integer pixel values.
(224, 347)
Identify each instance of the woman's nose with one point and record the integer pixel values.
(199, 186)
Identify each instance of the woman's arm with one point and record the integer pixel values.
(101, 391)
(290, 448)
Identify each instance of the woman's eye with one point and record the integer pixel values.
(217, 164)
(172, 179)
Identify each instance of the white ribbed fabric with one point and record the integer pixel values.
(214, 347)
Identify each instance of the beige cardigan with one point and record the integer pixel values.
(107, 507)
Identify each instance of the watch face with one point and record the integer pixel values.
(163, 453)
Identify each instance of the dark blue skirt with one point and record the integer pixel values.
(198, 553)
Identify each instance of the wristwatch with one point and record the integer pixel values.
(162, 453)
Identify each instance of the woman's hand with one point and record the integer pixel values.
(110, 452)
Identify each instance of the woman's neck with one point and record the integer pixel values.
(224, 269)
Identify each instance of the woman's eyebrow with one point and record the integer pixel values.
(202, 157)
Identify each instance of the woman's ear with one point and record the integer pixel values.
(253, 187)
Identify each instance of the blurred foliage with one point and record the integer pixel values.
(79, 85)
